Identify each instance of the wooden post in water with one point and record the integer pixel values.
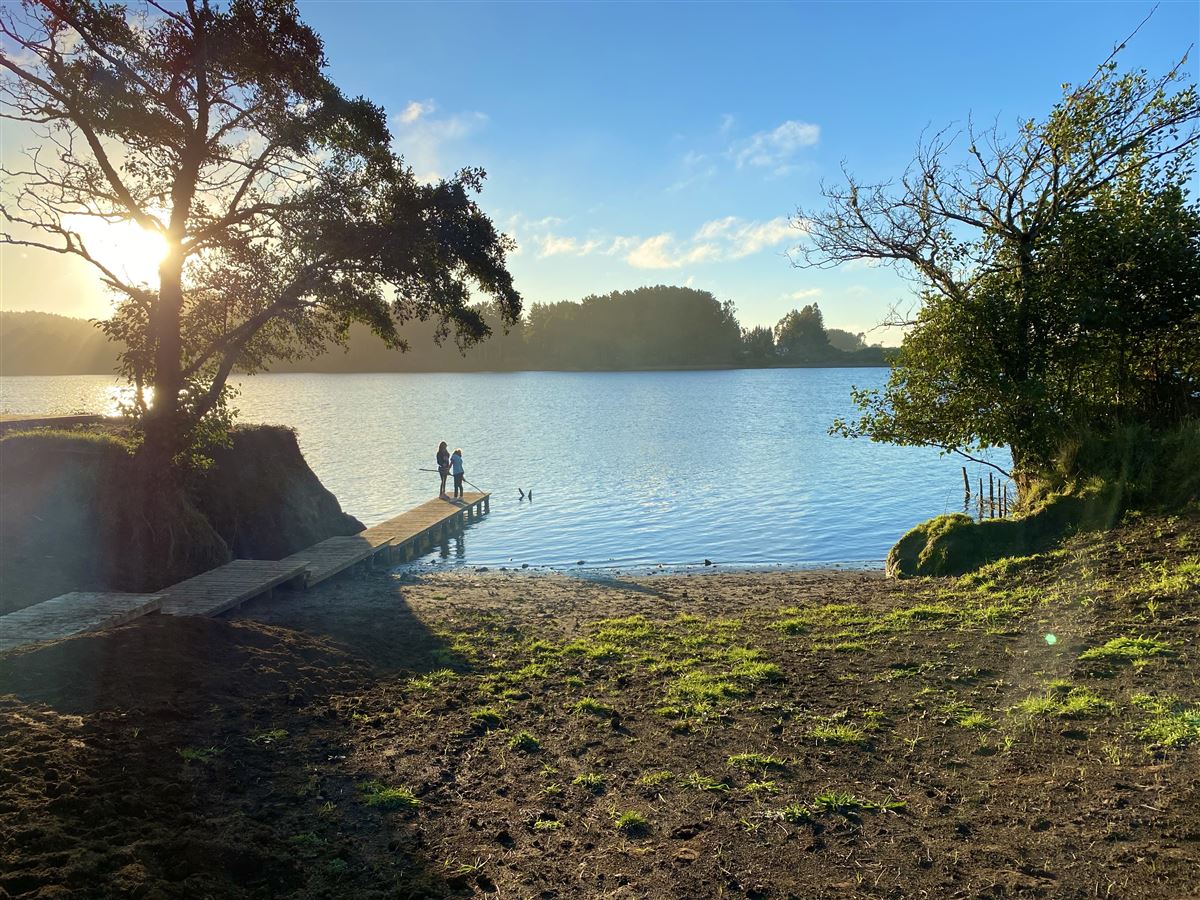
(991, 496)
(981, 498)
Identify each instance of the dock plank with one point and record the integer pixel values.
(221, 589)
(336, 554)
(74, 613)
(422, 520)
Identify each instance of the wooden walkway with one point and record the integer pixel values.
(219, 590)
(334, 555)
(70, 614)
(414, 532)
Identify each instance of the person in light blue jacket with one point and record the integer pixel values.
(456, 468)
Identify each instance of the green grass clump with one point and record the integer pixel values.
(593, 707)
(524, 742)
(432, 680)
(654, 779)
(590, 781)
(547, 825)
(631, 824)
(702, 782)
(1064, 701)
(1173, 722)
(830, 732)
(795, 814)
(1136, 650)
(755, 761)
(487, 716)
(757, 671)
(839, 802)
(379, 795)
(704, 687)
(976, 721)
(762, 787)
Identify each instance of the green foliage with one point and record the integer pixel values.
(756, 761)
(1172, 722)
(1064, 701)
(699, 782)
(488, 717)
(801, 334)
(591, 781)
(1136, 650)
(1058, 269)
(645, 327)
(380, 796)
(654, 779)
(592, 707)
(524, 742)
(287, 215)
(631, 824)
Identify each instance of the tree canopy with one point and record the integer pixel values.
(1056, 271)
(285, 213)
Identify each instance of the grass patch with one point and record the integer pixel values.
(702, 782)
(547, 825)
(654, 779)
(487, 716)
(631, 824)
(762, 787)
(378, 795)
(1135, 650)
(593, 707)
(1173, 722)
(755, 761)
(1064, 701)
(589, 781)
(976, 721)
(795, 814)
(524, 742)
(837, 733)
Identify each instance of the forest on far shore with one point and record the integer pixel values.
(647, 328)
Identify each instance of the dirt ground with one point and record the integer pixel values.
(1029, 731)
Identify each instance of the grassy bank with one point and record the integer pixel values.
(1032, 729)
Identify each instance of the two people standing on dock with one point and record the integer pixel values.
(450, 463)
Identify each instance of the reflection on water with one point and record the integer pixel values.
(628, 468)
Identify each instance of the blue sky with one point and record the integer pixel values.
(644, 143)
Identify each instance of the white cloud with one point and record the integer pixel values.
(420, 137)
(416, 109)
(557, 245)
(805, 294)
(718, 240)
(727, 123)
(727, 238)
(775, 149)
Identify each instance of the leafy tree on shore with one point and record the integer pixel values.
(758, 346)
(846, 341)
(1057, 271)
(285, 214)
(800, 335)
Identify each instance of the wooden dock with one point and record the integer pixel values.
(220, 590)
(334, 555)
(74, 613)
(414, 532)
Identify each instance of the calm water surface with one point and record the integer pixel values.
(627, 469)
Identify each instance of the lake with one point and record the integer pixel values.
(628, 469)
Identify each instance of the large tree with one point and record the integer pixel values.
(1041, 259)
(285, 213)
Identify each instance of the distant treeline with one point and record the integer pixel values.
(647, 328)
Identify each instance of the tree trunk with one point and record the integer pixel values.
(164, 427)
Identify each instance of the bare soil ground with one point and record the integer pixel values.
(1029, 731)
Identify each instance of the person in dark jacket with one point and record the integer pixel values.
(443, 466)
(456, 466)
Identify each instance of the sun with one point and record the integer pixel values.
(131, 252)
